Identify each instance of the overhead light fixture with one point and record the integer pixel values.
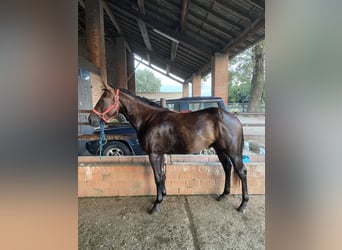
(166, 36)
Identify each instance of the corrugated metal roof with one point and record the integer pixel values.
(182, 36)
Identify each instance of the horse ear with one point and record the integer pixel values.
(106, 85)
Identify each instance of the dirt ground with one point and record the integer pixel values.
(185, 222)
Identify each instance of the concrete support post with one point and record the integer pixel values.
(110, 61)
(131, 73)
(185, 89)
(95, 36)
(196, 85)
(219, 76)
(121, 63)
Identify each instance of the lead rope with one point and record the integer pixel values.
(103, 139)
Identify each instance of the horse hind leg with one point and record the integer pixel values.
(157, 162)
(227, 166)
(241, 171)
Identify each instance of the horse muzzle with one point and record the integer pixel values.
(94, 120)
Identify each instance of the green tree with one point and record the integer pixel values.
(240, 75)
(258, 79)
(247, 78)
(146, 81)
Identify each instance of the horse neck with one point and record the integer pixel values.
(135, 110)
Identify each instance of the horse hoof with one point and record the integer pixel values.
(221, 197)
(242, 208)
(154, 210)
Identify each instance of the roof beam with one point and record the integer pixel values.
(184, 17)
(258, 3)
(251, 30)
(163, 73)
(233, 10)
(220, 16)
(112, 18)
(161, 62)
(220, 29)
(183, 21)
(142, 26)
(115, 23)
(144, 34)
(141, 6)
(174, 47)
(154, 24)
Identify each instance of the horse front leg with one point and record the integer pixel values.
(157, 162)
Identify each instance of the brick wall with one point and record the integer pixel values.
(219, 76)
(133, 176)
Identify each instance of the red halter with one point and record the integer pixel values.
(114, 106)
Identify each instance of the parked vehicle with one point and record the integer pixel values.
(131, 146)
(189, 104)
(128, 146)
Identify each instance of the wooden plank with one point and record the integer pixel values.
(84, 111)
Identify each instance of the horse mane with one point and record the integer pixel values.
(141, 98)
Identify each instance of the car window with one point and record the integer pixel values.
(173, 106)
(201, 105)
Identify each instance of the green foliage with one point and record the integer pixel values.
(146, 81)
(239, 93)
(240, 76)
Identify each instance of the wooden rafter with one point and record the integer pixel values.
(112, 18)
(154, 24)
(158, 59)
(251, 30)
(183, 21)
(142, 26)
(163, 73)
(233, 10)
(144, 34)
(141, 6)
(260, 4)
(174, 47)
(184, 17)
(219, 16)
(115, 23)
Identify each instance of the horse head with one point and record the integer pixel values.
(106, 108)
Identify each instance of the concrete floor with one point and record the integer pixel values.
(185, 222)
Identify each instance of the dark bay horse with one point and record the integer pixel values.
(161, 131)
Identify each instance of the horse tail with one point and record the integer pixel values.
(242, 140)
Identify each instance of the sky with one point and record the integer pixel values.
(169, 85)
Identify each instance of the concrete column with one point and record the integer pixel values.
(185, 89)
(131, 73)
(219, 76)
(196, 85)
(121, 63)
(95, 36)
(110, 61)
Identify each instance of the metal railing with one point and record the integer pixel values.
(242, 107)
